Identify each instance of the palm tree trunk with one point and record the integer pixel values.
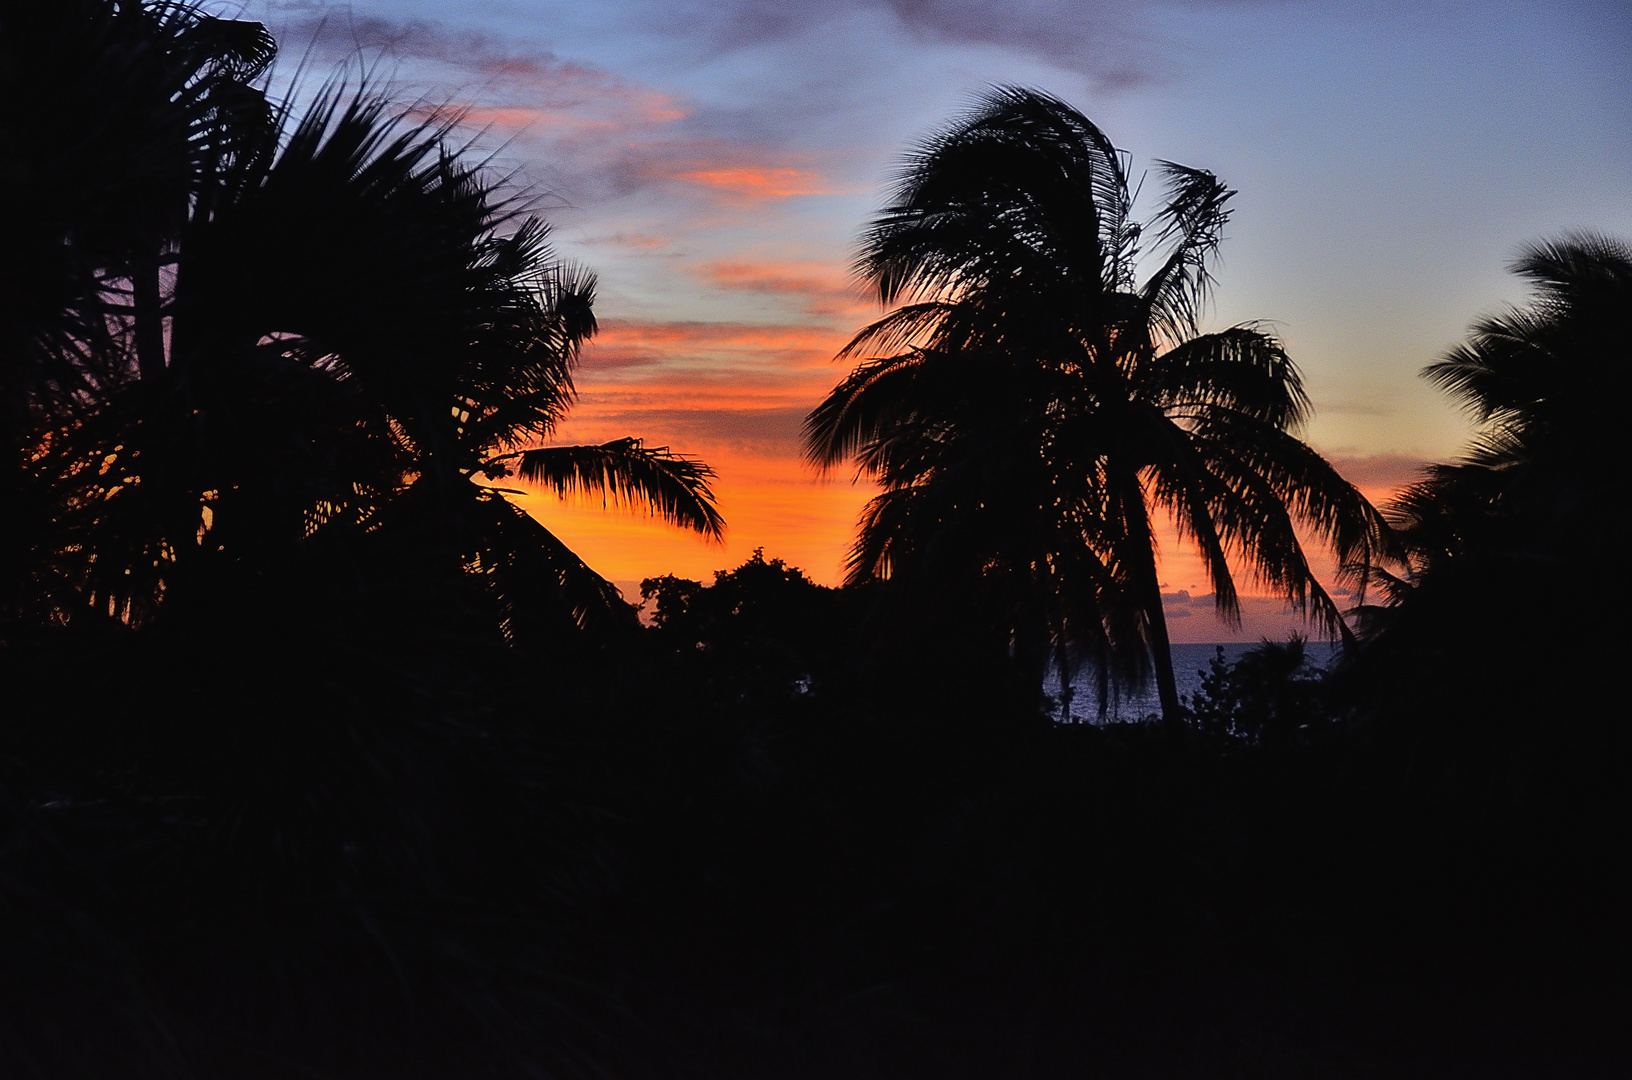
(1143, 543)
(1161, 655)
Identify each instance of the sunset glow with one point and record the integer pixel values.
(715, 170)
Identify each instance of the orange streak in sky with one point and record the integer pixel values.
(756, 182)
(735, 395)
(774, 502)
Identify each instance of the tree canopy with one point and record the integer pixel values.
(289, 329)
(1032, 408)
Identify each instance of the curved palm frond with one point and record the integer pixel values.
(1191, 224)
(860, 409)
(897, 330)
(538, 582)
(673, 487)
(1025, 159)
(1242, 369)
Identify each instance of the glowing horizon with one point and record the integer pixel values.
(714, 164)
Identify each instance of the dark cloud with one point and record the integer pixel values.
(586, 133)
(1102, 40)
(498, 70)
(335, 32)
(1113, 42)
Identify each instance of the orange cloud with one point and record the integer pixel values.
(612, 108)
(739, 174)
(631, 241)
(755, 183)
(537, 92)
(735, 395)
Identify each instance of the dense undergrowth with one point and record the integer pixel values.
(775, 835)
(321, 758)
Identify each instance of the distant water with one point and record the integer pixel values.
(1189, 665)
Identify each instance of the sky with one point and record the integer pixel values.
(714, 163)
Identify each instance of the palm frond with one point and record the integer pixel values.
(538, 581)
(673, 487)
(1025, 160)
(1242, 369)
(1275, 481)
(1191, 227)
(896, 331)
(860, 409)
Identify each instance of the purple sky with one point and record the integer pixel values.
(714, 161)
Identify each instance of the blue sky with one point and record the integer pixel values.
(714, 162)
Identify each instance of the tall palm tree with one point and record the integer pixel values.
(362, 336)
(1031, 407)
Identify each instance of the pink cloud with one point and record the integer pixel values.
(824, 289)
(1379, 476)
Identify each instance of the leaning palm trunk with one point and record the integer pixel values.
(1042, 406)
(1148, 592)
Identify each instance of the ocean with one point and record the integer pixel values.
(1189, 665)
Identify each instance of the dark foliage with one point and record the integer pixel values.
(1031, 410)
(290, 333)
(1488, 669)
(1271, 695)
(364, 774)
(769, 839)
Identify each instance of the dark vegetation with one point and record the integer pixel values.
(320, 759)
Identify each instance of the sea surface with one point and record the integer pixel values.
(1190, 663)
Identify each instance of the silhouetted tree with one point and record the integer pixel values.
(1270, 695)
(1544, 384)
(1498, 618)
(764, 624)
(126, 110)
(361, 334)
(1035, 407)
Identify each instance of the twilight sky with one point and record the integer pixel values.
(714, 162)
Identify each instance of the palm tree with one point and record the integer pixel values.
(364, 335)
(126, 109)
(116, 111)
(1538, 497)
(1545, 384)
(1490, 668)
(1031, 407)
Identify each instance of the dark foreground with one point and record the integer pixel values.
(354, 845)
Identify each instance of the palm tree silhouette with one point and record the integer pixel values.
(1030, 406)
(122, 108)
(361, 335)
(1538, 487)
